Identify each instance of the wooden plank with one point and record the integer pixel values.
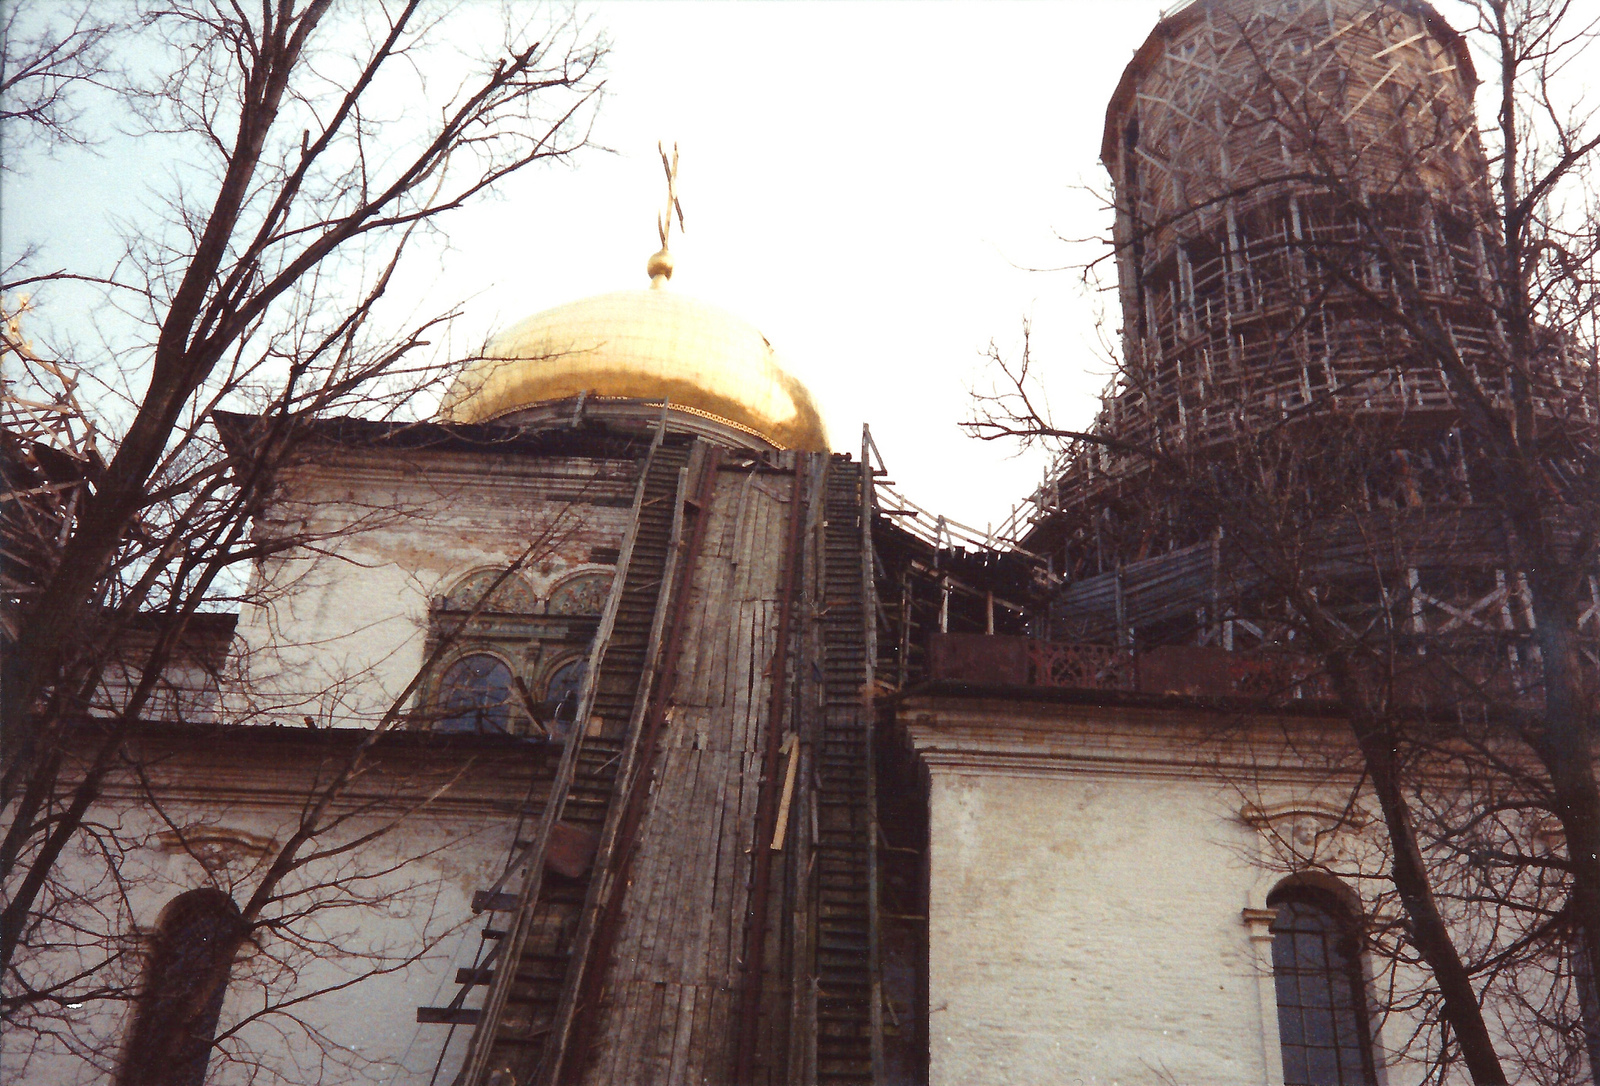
(720, 635)
(689, 689)
(641, 898)
(733, 661)
(730, 539)
(676, 857)
(750, 664)
(750, 774)
(727, 866)
(710, 687)
(637, 1065)
(770, 672)
(674, 919)
(724, 1009)
(615, 1035)
(650, 897)
(447, 1016)
(706, 598)
(683, 871)
(700, 1065)
(483, 901)
(736, 525)
(756, 681)
(702, 596)
(747, 555)
(696, 937)
(689, 956)
(666, 1028)
(705, 943)
(739, 663)
(781, 826)
(678, 1057)
(655, 895)
(728, 869)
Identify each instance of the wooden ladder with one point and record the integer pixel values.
(519, 1011)
(849, 1028)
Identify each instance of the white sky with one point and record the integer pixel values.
(866, 183)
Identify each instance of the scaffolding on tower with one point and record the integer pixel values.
(49, 459)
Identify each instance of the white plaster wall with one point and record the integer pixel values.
(339, 996)
(1089, 930)
(335, 631)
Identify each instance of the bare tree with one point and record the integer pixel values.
(337, 856)
(320, 146)
(46, 53)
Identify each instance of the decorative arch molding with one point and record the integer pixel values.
(214, 847)
(581, 592)
(1307, 833)
(555, 664)
(1334, 815)
(515, 596)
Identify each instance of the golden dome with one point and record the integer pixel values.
(641, 345)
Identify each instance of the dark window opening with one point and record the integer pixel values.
(1322, 1009)
(562, 694)
(176, 1018)
(475, 695)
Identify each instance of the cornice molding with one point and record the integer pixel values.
(1036, 739)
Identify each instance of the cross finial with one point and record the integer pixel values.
(660, 266)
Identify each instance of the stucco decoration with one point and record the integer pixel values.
(1307, 832)
(214, 847)
(512, 597)
(584, 594)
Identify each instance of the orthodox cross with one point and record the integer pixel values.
(664, 221)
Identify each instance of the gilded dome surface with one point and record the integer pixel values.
(641, 345)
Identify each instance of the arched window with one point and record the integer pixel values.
(475, 695)
(1322, 1007)
(561, 695)
(176, 1018)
